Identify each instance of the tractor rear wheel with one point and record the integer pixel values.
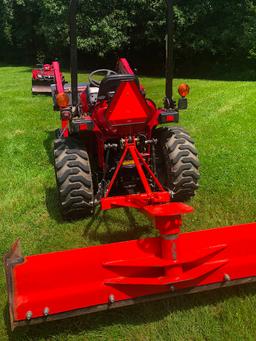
(178, 164)
(74, 178)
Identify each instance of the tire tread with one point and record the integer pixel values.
(74, 178)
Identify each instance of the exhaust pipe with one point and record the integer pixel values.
(169, 64)
(73, 49)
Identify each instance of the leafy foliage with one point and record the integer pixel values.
(213, 27)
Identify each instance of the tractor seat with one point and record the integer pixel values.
(110, 84)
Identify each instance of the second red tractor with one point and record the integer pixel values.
(42, 79)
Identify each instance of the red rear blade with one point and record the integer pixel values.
(61, 284)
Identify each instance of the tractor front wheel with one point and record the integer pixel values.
(177, 162)
(74, 178)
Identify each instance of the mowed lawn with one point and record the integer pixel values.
(222, 120)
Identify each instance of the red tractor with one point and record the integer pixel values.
(108, 115)
(113, 151)
(43, 78)
(104, 115)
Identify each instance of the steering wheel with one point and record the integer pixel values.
(100, 72)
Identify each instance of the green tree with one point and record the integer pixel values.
(222, 29)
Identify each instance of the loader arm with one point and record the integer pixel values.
(58, 77)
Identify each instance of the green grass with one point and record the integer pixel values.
(221, 118)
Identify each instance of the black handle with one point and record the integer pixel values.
(169, 64)
(73, 49)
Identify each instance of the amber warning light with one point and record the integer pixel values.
(183, 89)
(62, 100)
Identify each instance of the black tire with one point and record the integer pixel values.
(74, 178)
(178, 163)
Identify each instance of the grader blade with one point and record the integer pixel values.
(69, 283)
(43, 88)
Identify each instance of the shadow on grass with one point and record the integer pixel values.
(201, 67)
(130, 228)
(26, 70)
(219, 71)
(52, 204)
(48, 145)
(128, 316)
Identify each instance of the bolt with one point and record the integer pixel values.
(172, 288)
(29, 315)
(111, 298)
(226, 277)
(46, 311)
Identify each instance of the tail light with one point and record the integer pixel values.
(166, 116)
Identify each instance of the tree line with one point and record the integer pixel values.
(32, 31)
